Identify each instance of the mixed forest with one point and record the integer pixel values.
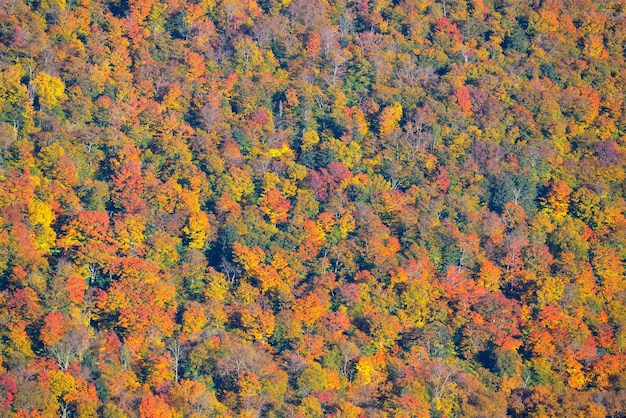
(311, 208)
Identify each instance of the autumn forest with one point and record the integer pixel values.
(312, 208)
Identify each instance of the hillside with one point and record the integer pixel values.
(310, 208)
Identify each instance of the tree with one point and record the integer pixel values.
(389, 119)
(65, 345)
(177, 350)
(89, 240)
(127, 182)
(198, 230)
(558, 198)
(610, 271)
(50, 90)
(154, 407)
(275, 206)
(463, 97)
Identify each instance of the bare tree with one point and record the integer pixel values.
(64, 410)
(441, 379)
(229, 270)
(71, 347)
(178, 350)
(349, 353)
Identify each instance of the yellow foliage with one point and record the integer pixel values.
(310, 139)
(207, 5)
(19, 338)
(349, 154)
(45, 239)
(430, 162)
(296, 171)
(490, 275)
(543, 22)
(289, 188)
(246, 294)
(259, 324)
(346, 225)
(160, 370)
(191, 196)
(279, 152)
(270, 181)
(268, 278)
(371, 370)
(551, 290)
(41, 216)
(249, 258)
(163, 248)
(358, 120)
(238, 184)
(415, 301)
(170, 100)
(594, 46)
(339, 105)
(558, 198)
(157, 17)
(11, 88)
(349, 410)
(197, 230)
(459, 145)
(389, 118)
(61, 384)
(217, 287)
(111, 410)
(334, 380)
(49, 89)
(541, 226)
(310, 407)
(248, 56)
(194, 319)
(130, 233)
(446, 404)
(279, 262)
(577, 378)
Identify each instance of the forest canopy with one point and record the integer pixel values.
(310, 208)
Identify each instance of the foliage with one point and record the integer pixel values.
(312, 208)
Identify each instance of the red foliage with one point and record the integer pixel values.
(463, 97)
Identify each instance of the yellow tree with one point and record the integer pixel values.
(389, 119)
(50, 90)
(197, 230)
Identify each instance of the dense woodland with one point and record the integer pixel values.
(312, 208)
